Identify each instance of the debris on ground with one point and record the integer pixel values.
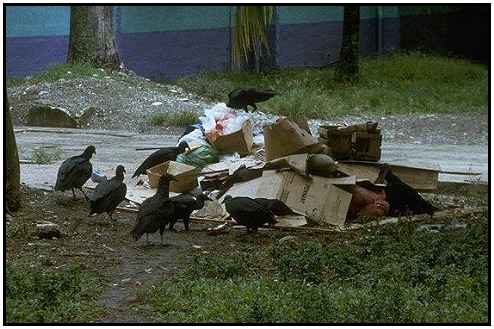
(330, 181)
(48, 230)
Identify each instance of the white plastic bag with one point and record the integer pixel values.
(222, 120)
(194, 139)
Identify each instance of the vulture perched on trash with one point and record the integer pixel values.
(404, 200)
(155, 212)
(248, 212)
(184, 205)
(241, 98)
(108, 194)
(160, 156)
(75, 171)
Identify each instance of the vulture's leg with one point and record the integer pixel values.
(254, 106)
(87, 199)
(162, 229)
(73, 195)
(172, 223)
(147, 238)
(186, 223)
(246, 108)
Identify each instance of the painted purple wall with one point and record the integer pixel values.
(28, 55)
(168, 55)
(171, 54)
(317, 44)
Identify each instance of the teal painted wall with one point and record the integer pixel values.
(31, 21)
(309, 14)
(28, 21)
(172, 18)
(424, 10)
(318, 14)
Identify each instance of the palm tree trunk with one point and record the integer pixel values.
(347, 68)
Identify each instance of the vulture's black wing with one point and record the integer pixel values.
(160, 156)
(260, 95)
(105, 188)
(243, 206)
(277, 207)
(71, 169)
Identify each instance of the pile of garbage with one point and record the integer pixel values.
(324, 180)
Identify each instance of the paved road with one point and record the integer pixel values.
(118, 147)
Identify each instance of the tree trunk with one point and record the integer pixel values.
(92, 40)
(12, 182)
(347, 68)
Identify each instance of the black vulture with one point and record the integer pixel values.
(108, 194)
(277, 207)
(248, 212)
(184, 205)
(160, 156)
(155, 212)
(241, 98)
(75, 171)
(404, 200)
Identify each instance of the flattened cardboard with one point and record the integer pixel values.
(297, 162)
(185, 175)
(319, 198)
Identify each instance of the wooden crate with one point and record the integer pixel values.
(352, 143)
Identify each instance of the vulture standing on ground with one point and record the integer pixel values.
(277, 207)
(404, 200)
(184, 205)
(155, 212)
(242, 98)
(160, 156)
(108, 194)
(75, 171)
(248, 212)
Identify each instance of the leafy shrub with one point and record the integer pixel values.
(35, 296)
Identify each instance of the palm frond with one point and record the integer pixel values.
(251, 23)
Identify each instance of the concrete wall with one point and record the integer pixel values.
(171, 41)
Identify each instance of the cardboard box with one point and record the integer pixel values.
(285, 137)
(320, 199)
(356, 142)
(240, 141)
(185, 175)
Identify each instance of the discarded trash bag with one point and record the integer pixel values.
(199, 157)
(191, 128)
(194, 138)
(228, 131)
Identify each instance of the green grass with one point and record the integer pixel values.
(56, 72)
(393, 84)
(43, 156)
(178, 119)
(390, 274)
(34, 295)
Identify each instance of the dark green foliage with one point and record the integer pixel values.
(393, 84)
(46, 297)
(390, 274)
